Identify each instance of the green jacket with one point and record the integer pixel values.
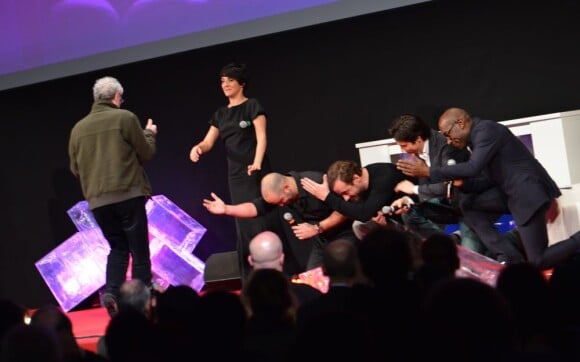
(107, 149)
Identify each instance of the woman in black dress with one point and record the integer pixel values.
(241, 124)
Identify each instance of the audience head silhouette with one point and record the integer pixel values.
(340, 262)
(266, 251)
(448, 309)
(440, 251)
(385, 256)
(135, 294)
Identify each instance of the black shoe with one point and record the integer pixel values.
(109, 302)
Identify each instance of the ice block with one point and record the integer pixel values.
(76, 268)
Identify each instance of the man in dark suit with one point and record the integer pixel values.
(416, 137)
(522, 188)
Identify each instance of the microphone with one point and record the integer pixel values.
(289, 217)
(245, 124)
(449, 193)
(389, 209)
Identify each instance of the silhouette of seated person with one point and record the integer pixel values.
(24, 342)
(134, 294)
(527, 292)
(221, 326)
(271, 308)
(130, 336)
(176, 320)
(11, 314)
(440, 260)
(565, 289)
(340, 263)
(387, 262)
(266, 252)
(464, 319)
(54, 318)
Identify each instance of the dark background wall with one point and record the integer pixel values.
(325, 87)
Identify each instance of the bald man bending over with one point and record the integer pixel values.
(312, 223)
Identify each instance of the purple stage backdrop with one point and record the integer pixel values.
(38, 34)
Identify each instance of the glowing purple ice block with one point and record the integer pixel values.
(478, 266)
(171, 224)
(166, 221)
(171, 267)
(76, 268)
(82, 217)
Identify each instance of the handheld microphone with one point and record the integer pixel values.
(389, 209)
(289, 218)
(449, 193)
(245, 124)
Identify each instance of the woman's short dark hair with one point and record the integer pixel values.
(236, 71)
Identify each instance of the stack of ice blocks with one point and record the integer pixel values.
(76, 268)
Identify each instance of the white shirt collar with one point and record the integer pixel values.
(426, 147)
(425, 154)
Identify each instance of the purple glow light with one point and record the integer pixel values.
(35, 33)
(76, 268)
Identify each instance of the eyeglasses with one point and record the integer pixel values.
(446, 133)
(122, 100)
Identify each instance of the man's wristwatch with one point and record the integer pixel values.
(319, 228)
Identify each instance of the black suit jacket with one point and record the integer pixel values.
(439, 153)
(508, 164)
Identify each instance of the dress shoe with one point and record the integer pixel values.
(109, 302)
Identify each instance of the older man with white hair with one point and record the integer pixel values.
(107, 150)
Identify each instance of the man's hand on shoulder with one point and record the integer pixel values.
(320, 191)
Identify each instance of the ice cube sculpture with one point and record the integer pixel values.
(76, 268)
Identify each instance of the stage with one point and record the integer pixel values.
(89, 325)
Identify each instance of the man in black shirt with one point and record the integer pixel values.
(307, 219)
(358, 192)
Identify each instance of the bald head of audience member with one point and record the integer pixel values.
(340, 262)
(266, 251)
